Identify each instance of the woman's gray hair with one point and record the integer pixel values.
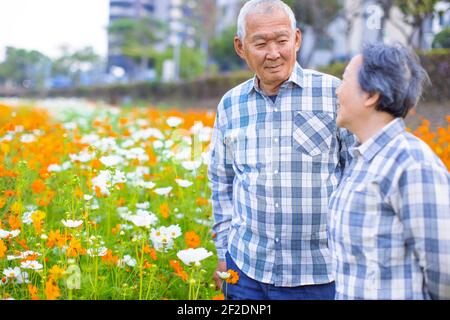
(394, 72)
(262, 6)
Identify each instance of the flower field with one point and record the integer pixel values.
(107, 203)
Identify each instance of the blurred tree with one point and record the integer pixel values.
(416, 12)
(223, 53)
(442, 39)
(192, 62)
(25, 68)
(72, 64)
(317, 15)
(137, 38)
(205, 25)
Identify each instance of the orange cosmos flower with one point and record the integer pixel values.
(115, 229)
(219, 297)
(201, 201)
(14, 222)
(192, 239)
(55, 238)
(109, 258)
(38, 186)
(56, 272)
(234, 278)
(22, 243)
(37, 217)
(3, 249)
(9, 193)
(33, 290)
(179, 270)
(151, 252)
(51, 289)
(2, 202)
(164, 209)
(75, 248)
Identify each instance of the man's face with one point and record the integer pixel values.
(270, 46)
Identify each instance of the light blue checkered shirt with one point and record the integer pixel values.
(390, 221)
(273, 166)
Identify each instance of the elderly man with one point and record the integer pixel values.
(390, 215)
(276, 156)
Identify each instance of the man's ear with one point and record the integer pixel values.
(372, 99)
(298, 39)
(239, 47)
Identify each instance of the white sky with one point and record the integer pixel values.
(45, 25)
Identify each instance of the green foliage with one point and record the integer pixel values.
(335, 69)
(24, 67)
(442, 39)
(192, 62)
(223, 53)
(137, 38)
(73, 63)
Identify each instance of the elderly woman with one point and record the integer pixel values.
(389, 221)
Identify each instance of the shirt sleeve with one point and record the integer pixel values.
(221, 176)
(346, 142)
(423, 205)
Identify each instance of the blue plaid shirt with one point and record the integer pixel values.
(390, 221)
(273, 166)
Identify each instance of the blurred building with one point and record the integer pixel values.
(176, 14)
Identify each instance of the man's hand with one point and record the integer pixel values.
(221, 267)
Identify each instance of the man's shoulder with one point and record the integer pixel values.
(316, 76)
(236, 93)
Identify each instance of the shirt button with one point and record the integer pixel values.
(276, 204)
(276, 139)
(276, 172)
(277, 239)
(276, 109)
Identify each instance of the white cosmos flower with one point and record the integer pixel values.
(163, 191)
(83, 156)
(143, 205)
(143, 219)
(191, 165)
(72, 223)
(97, 252)
(54, 168)
(183, 183)
(158, 144)
(190, 255)
(27, 138)
(146, 184)
(9, 234)
(174, 121)
(223, 275)
(12, 272)
(129, 261)
(87, 197)
(111, 161)
(31, 265)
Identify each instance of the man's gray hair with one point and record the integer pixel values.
(394, 72)
(262, 6)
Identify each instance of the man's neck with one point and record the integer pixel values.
(270, 89)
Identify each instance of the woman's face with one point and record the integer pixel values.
(350, 96)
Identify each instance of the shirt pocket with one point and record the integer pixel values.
(313, 132)
(248, 146)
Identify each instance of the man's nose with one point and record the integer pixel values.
(273, 52)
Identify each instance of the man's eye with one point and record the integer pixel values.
(260, 44)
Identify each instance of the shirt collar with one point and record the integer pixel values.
(371, 147)
(295, 78)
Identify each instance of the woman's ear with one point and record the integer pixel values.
(372, 99)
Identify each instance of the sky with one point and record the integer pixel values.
(45, 25)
